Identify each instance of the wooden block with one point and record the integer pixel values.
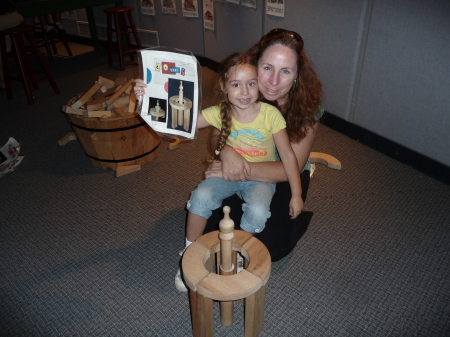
(122, 100)
(120, 80)
(109, 92)
(69, 110)
(132, 104)
(88, 94)
(120, 110)
(100, 113)
(97, 103)
(119, 92)
(122, 170)
(325, 159)
(107, 83)
(67, 138)
(175, 145)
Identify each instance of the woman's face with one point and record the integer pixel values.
(277, 70)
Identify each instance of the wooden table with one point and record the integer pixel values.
(31, 8)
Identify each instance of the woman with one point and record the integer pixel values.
(286, 80)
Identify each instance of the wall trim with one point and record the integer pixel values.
(399, 152)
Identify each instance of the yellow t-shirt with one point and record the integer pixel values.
(254, 140)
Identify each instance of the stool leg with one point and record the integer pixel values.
(254, 313)
(135, 32)
(109, 32)
(63, 38)
(44, 66)
(125, 29)
(47, 45)
(174, 117)
(53, 44)
(201, 315)
(119, 41)
(26, 58)
(5, 65)
(17, 43)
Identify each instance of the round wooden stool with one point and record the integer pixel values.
(205, 285)
(23, 56)
(122, 29)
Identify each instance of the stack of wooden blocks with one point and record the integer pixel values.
(106, 98)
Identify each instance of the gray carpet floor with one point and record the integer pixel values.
(83, 253)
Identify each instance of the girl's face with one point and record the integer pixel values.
(242, 87)
(277, 70)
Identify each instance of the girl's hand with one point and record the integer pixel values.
(139, 88)
(234, 166)
(295, 207)
(214, 170)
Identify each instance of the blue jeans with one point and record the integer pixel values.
(257, 196)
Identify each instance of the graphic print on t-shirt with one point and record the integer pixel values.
(248, 142)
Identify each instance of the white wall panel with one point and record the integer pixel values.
(404, 92)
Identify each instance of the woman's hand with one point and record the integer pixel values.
(139, 88)
(214, 170)
(234, 166)
(295, 206)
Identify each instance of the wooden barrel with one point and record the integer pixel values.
(116, 141)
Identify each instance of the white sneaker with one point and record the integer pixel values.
(240, 263)
(179, 283)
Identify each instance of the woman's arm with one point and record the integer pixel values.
(233, 167)
(292, 171)
(271, 172)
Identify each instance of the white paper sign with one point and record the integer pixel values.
(249, 3)
(148, 7)
(208, 14)
(190, 8)
(171, 101)
(275, 7)
(168, 7)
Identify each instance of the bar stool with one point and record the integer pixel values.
(205, 286)
(23, 58)
(121, 29)
(50, 42)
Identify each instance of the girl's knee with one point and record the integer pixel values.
(254, 218)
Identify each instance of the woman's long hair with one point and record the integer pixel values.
(225, 71)
(302, 104)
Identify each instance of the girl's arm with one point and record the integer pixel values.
(271, 172)
(201, 121)
(290, 165)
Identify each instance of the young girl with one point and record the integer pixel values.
(252, 129)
